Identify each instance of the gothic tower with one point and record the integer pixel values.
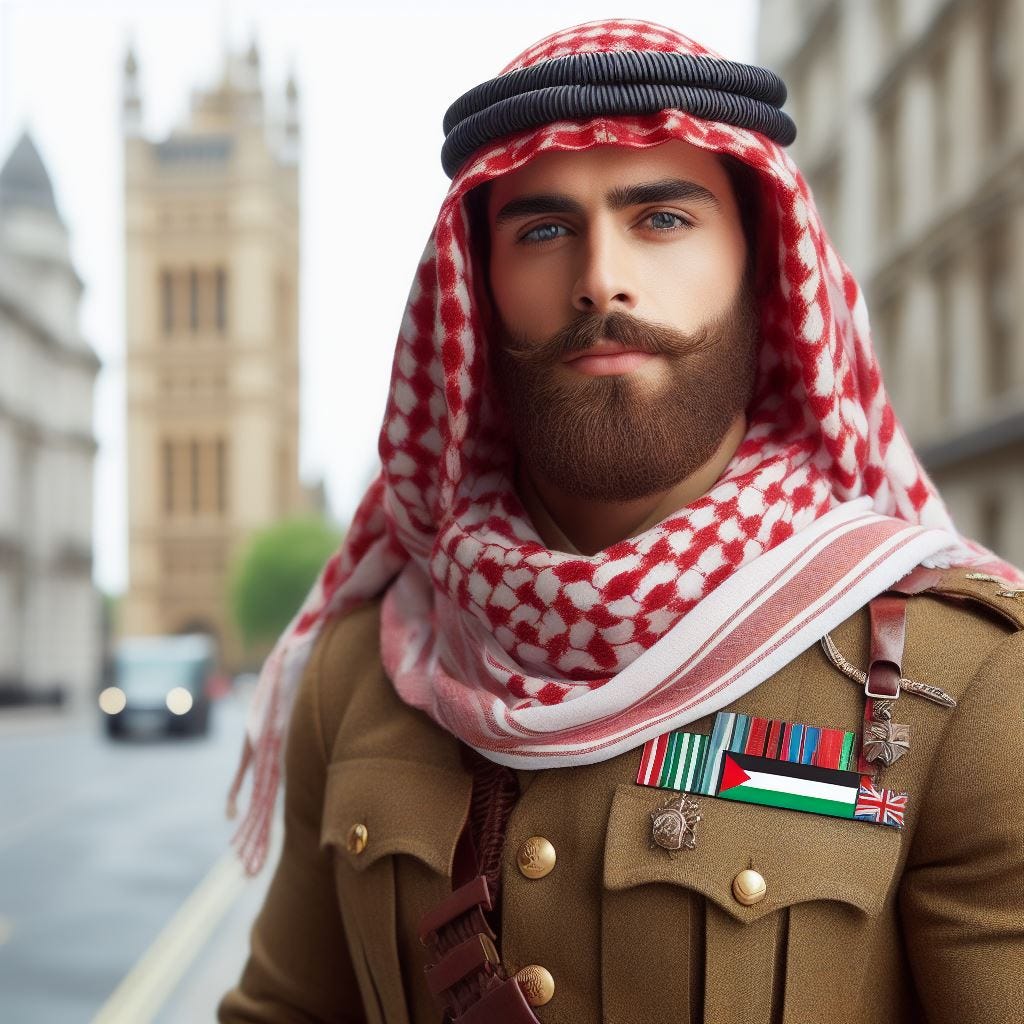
(212, 360)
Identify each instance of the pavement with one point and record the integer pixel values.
(33, 720)
(201, 951)
(218, 964)
(199, 955)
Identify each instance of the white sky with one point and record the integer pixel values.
(374, 81)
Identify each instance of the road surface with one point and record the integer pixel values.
(117, 902)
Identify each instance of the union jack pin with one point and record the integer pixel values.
(881, 806)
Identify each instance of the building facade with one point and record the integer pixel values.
(50, 614)
(212, 356)
(910, 116)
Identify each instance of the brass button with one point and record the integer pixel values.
(357, 837)
(537, 984)
(749, 887)
(536, 857)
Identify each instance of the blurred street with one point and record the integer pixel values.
(116, 894)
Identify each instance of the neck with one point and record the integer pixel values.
(590, 525)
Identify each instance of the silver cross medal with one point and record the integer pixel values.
(885, 741)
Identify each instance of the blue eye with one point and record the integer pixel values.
(663, 221)
(544, 233)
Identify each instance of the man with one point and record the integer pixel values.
(565, 746)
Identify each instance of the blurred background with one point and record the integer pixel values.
(210, 215)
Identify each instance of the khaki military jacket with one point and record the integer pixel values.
(860, 923)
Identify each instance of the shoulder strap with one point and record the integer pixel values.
(966, 587)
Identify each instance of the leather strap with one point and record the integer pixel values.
(888, 636)
(888, 613)
(465, 959)
(465, 976)
(473, 894)
(504, 1004)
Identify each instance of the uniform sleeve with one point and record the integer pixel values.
(299, 969)
(960, 899)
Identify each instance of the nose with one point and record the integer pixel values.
(604, 282)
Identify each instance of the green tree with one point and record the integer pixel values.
(273, 573)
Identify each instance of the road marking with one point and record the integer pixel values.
(6, 929)
(147, 985)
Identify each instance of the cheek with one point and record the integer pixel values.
(528, 294)
(505, 285)
(696, 281)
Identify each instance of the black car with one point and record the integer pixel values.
(161, 684)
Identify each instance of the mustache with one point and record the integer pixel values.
(586, 330)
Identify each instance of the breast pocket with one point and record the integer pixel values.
(675, 933)
(392, 824)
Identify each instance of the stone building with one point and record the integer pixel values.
(212, 358)
(50, 635)
(910, 116)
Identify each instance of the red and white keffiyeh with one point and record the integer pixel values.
(541, 658)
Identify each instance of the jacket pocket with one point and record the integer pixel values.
(674, 918)
(379, 813)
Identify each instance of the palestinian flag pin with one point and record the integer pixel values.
(800, 787)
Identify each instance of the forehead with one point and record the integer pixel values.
(593, 172)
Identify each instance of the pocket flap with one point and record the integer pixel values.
(803, 857)
(406, 807)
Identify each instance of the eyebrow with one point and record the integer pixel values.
(666, 190)
(619, 198)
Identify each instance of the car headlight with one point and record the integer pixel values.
(112, 700)
(179, 701)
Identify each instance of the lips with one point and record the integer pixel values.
(600, 348)
(607, 358)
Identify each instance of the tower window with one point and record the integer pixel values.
(168, 463)
(194, 472)
(193, 299)
(221, 303)
(167, 299)
(222, 484)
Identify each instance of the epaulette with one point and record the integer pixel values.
(966, 587)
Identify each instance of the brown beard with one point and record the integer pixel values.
(612, 438)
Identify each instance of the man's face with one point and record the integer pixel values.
(628, 335)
